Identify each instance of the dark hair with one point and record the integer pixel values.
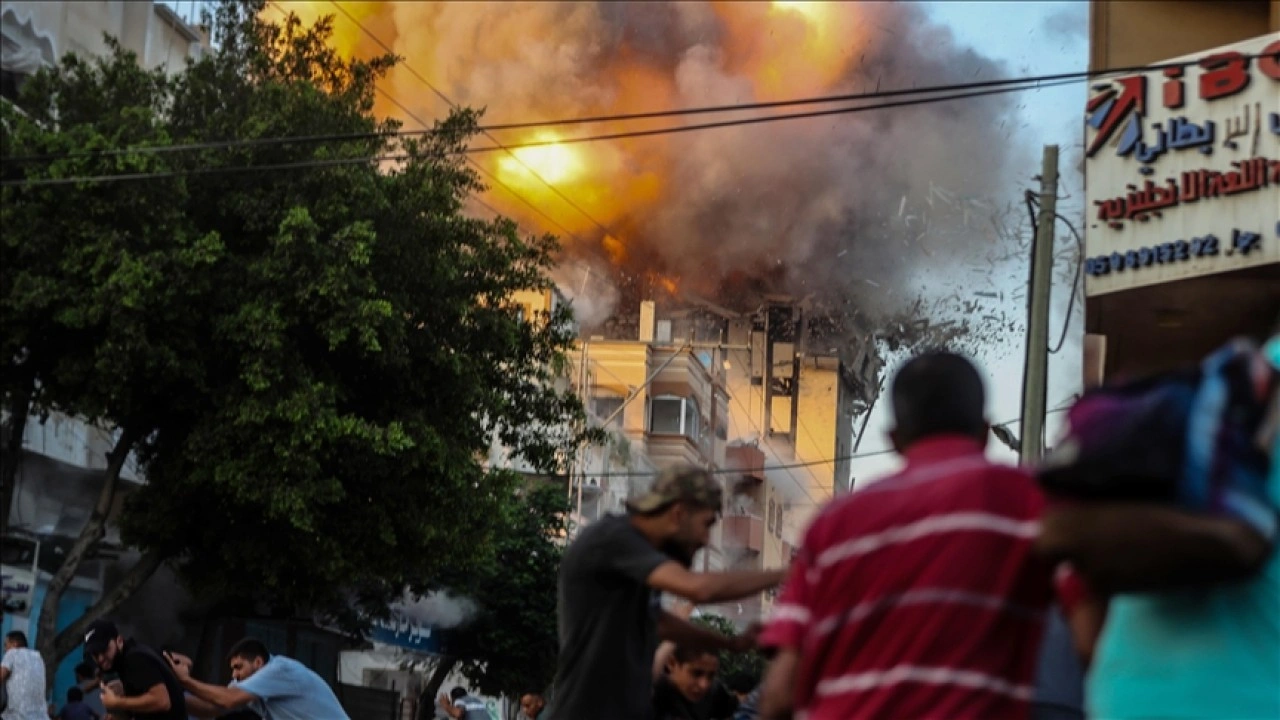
(74, 694)
(87, 669)
(685, 654)
(249, 649)
(457, 692)
(937, 393)
(17, 637)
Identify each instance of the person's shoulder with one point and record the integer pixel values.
(284, 665)
(663, 692)
(610, 528)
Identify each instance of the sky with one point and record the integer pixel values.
(1032, 38)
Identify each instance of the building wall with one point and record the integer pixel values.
(1164, 316)
(1131, 33)
(151, 30)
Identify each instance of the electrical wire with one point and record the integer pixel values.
(487, 134)
(498, 146)
(810, 463)
(37, 182)
(1036, 82)
(1075, 282)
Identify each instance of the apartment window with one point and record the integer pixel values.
(672, 415)
(769, 517)
(604, 406)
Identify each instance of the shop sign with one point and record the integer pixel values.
(1182, 168)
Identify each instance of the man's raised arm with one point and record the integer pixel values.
(712, 587)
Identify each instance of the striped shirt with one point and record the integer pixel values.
(919, 596)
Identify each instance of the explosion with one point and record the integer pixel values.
(552, 162)
(837, 207)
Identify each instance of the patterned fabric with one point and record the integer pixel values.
(25, 685)
(920, 595)
(1184, 438)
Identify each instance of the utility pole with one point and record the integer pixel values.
(1036, 369)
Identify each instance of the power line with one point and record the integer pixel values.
(507, 148)
(1035, 82)
(1056, 78)
(1071, 301)
(622, 135)
(486, 133)
(489, 174)
(810, 463)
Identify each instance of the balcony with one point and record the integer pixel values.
(744, 531)
(667, 450)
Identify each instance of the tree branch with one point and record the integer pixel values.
(71, 636)
(427, 701)
(93, 531)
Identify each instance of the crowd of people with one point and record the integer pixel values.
(1145, 541)
(1143, 546)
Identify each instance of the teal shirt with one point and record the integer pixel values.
(1207, 654)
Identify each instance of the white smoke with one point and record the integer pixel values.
(439, 609)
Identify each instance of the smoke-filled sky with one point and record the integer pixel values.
(802, 206)
(872, 211)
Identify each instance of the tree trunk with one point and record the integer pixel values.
(94, 529)
(427, 701)
(11, 459)
(72, 635)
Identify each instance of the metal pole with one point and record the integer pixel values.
(1035, 371)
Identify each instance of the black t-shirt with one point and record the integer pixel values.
(140, 668)
(608, 620)
(669, 704)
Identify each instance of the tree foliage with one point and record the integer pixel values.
(733, 666)
(510, 647)
(311, 362)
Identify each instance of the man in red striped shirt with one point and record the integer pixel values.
(919, 596)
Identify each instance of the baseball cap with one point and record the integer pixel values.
(683, 483)
(98, 636)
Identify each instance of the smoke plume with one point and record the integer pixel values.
(845, 208)
(438, 610)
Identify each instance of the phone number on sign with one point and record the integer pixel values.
(1242, 242)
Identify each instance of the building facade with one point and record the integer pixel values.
(1182, 177)
(759, 398)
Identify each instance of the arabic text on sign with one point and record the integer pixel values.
(1148, 201)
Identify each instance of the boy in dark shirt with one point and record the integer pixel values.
(689, 689)
(76, 709)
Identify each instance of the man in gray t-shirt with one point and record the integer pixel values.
(609, 593)
(460, 705)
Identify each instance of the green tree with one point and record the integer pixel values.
(308, 346)
(749, 666)
(509, 648)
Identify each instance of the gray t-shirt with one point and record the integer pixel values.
(608, 621)
(473, 708)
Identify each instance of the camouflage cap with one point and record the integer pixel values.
(684, 483)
